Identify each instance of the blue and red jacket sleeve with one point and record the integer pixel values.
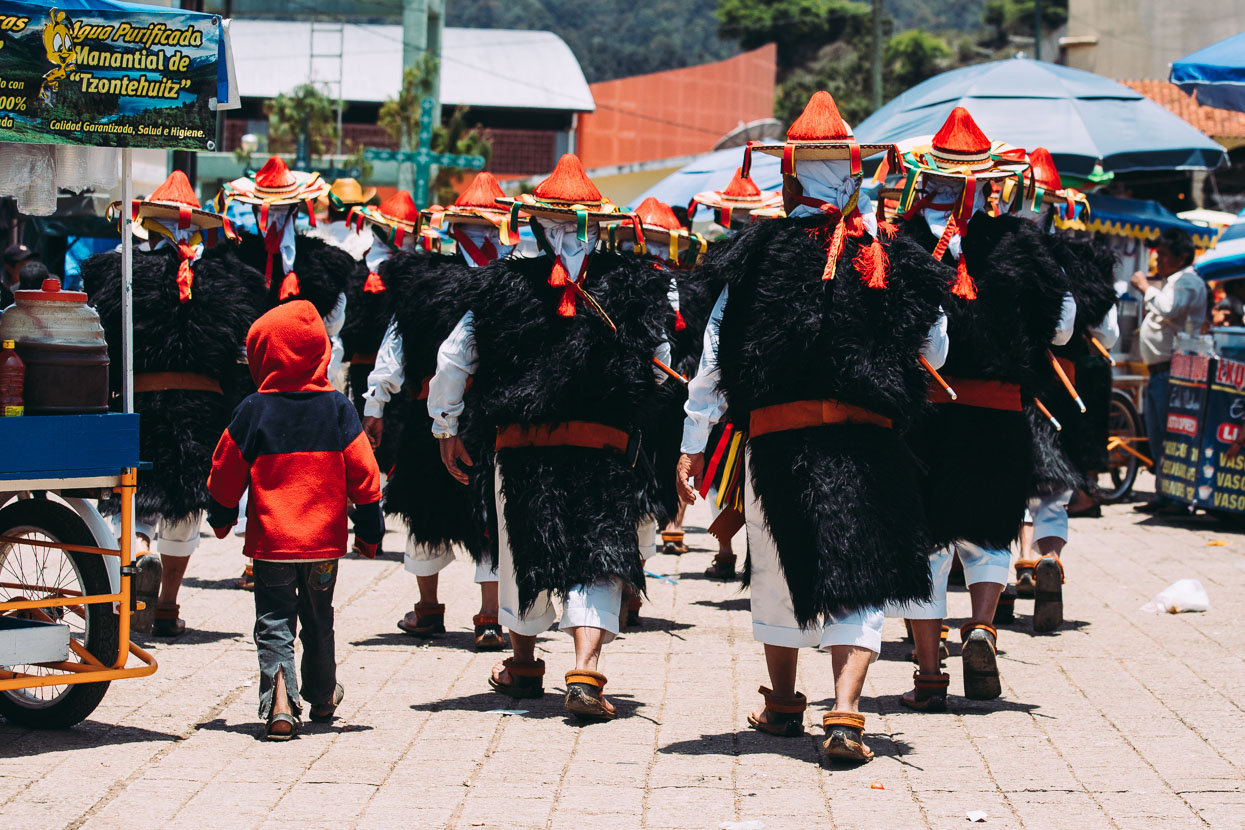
(228, 480)
(362, 480)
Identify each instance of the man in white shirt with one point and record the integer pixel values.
(1174, 301)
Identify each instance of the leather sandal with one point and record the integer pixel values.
(979, 652)
(585, 696)
(167, 623)
(784, 714)
(247, 581)
(323, 713)
(489, 636)
(845, 737)
(723, 567)
(943, 651)
(429, 620)
(1025, 577)
(1005, 611)
(1048, 594)
(672, 543)
(929, 692)
(527, 678)
(290, 723)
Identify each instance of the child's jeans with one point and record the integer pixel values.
(286, 594)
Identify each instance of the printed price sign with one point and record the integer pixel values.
(1221, 472)
(1178, 470)
(109, 78)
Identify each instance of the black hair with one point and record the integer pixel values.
(1179, 243)
(32, 275)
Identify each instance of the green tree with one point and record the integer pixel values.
(400, 118)
(1015, 17)
(801, 29)
(910, 57)
(305, 108)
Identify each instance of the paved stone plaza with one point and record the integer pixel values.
(1122, 719)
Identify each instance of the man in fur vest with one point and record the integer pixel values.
(814, 347)
(431, 296)
(1007, 304)
(193, 304)
(560, 350)
(1065, 455)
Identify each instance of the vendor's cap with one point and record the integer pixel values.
(16, 253)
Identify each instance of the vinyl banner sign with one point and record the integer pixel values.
(117, 76)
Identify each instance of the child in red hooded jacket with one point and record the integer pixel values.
(297, 444)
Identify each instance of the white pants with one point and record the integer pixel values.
(980, 565)
(593, 606)
(171, 538)
(422, 560)
(773, 614)
(647, 536)
(1049, 515)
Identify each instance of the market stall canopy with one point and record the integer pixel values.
(1227, 260)
(1215, 75)
(493, 68)
(1136, 219)
(713, 171)
(1082, 118)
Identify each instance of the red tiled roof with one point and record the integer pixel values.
(1216, 123)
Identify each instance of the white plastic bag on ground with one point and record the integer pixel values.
(1183, 595)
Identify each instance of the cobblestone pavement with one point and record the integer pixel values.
(1122, 719)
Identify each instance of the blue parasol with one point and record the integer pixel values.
(1215, 75)
(1226, 261)
(1080, 117)
(713, 171)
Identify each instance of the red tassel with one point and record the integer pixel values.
(872, 264)
(964, 285)
(887, 230)
(268, 272)
(185, 277)
(832, 255)
(566, 308)
(374, 284)
(289, 287)
(558, 277)
(679, 323)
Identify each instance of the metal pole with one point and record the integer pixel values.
(127, 284)
(1037, 30)
(877, 55)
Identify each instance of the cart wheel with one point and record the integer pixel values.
(1123, 423)
(31, 572)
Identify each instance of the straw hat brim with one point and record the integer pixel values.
(714, 199)
(531, 207)
(372, 215)
(476, 216)
(770, 213)
(653, 235)
(822, 150)
(307, 186)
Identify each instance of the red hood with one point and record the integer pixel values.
(288, 350)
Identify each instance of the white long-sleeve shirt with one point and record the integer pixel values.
(387, 375)
(1179, 306)
(1067, 321)
(706, 404)
(457, 360)
(334, 323)
(1107, 331)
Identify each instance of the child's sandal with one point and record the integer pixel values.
(783, 716)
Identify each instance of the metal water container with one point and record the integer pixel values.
(61, 341)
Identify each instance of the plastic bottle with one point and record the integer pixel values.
(12, 380)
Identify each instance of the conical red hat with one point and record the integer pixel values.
(742, 187)
(400, 206)
(820, 121)
(177, 190)
(568, 183)
(274, 175)
(1045, 174)
(658, 214)
(483, 192)
(961, 137)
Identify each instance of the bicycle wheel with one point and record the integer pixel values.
(1116, 482)
(34, 572)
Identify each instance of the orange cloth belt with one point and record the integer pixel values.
(585, 434)
(182, 381)
(986, 394)
(803, 414)
(1069, 368)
